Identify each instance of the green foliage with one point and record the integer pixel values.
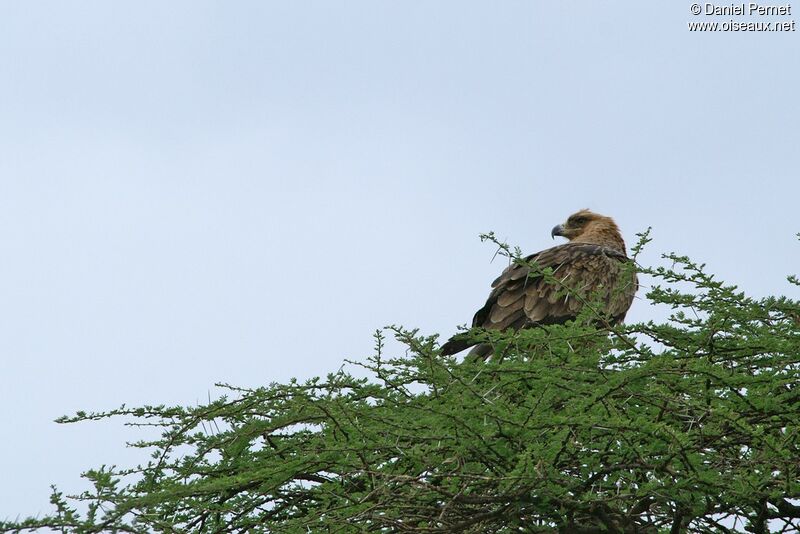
(688, 424)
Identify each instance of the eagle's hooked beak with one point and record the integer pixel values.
(557, 230)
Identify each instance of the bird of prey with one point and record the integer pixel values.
(592, 263)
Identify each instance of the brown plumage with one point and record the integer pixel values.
(592, 263)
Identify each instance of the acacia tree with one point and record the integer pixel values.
(690, 424)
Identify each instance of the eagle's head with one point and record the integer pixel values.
(586, 226)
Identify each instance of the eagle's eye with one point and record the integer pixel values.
(578, 221)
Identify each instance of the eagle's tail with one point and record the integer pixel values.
(455, 345)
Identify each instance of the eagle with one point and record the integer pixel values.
(591, 264)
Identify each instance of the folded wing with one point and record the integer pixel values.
(522, 297)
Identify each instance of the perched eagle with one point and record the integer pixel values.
(592, 263)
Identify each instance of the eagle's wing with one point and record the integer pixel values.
(520, 298)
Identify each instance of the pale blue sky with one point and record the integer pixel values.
(194, 192)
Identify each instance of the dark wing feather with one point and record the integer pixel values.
(519, 298)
